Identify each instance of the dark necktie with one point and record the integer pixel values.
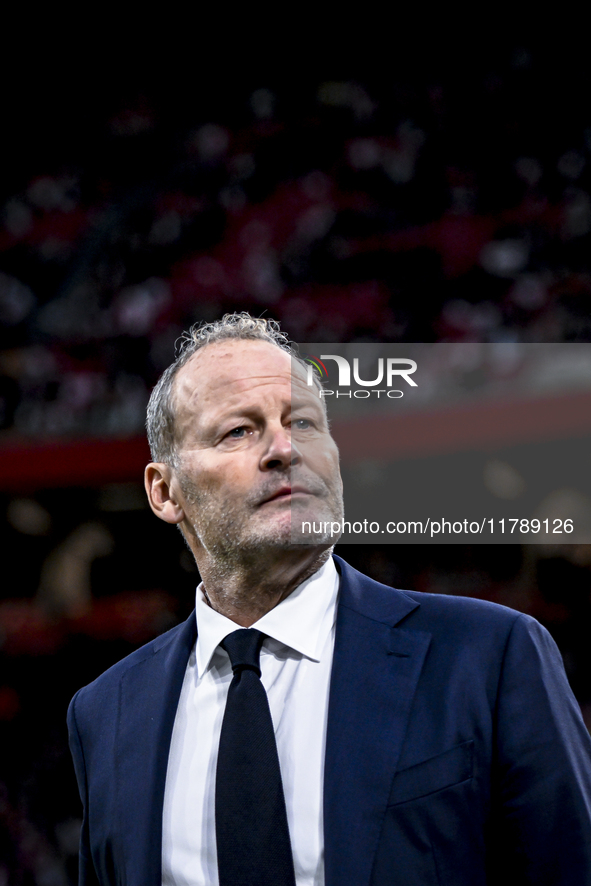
(251, 823)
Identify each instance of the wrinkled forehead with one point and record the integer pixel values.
(232, 368)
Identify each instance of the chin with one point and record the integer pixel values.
(317, 526)
(273, 535)
(286, 536)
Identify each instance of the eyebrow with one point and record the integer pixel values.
(313, 404)
(301, 404)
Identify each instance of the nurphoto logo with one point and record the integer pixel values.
(388, 371)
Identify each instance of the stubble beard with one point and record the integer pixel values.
(233, 534)
(227, 530)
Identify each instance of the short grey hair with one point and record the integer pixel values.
(160, 420)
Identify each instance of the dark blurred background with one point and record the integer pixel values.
(364, 183)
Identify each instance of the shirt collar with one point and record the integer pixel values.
(302, 621)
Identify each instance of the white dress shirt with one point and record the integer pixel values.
(296, 661)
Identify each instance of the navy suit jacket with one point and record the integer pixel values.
(455, 756)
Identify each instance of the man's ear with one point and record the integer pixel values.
(158, 479)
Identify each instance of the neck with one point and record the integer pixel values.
(245, 592)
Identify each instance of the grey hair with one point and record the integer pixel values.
(160, 419)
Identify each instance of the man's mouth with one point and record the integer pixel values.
(285, 492)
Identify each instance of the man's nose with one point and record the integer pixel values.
(281, 452)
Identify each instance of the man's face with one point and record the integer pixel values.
(255, 453)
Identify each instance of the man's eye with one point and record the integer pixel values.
(237, 433)
(302, 424)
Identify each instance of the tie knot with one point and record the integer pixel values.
(244, 647)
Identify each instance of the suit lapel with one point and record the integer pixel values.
(149, 697)
(375, 671)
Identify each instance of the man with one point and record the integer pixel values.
(417, 739)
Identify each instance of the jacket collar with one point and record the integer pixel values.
(150, 693)
(376, 668)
